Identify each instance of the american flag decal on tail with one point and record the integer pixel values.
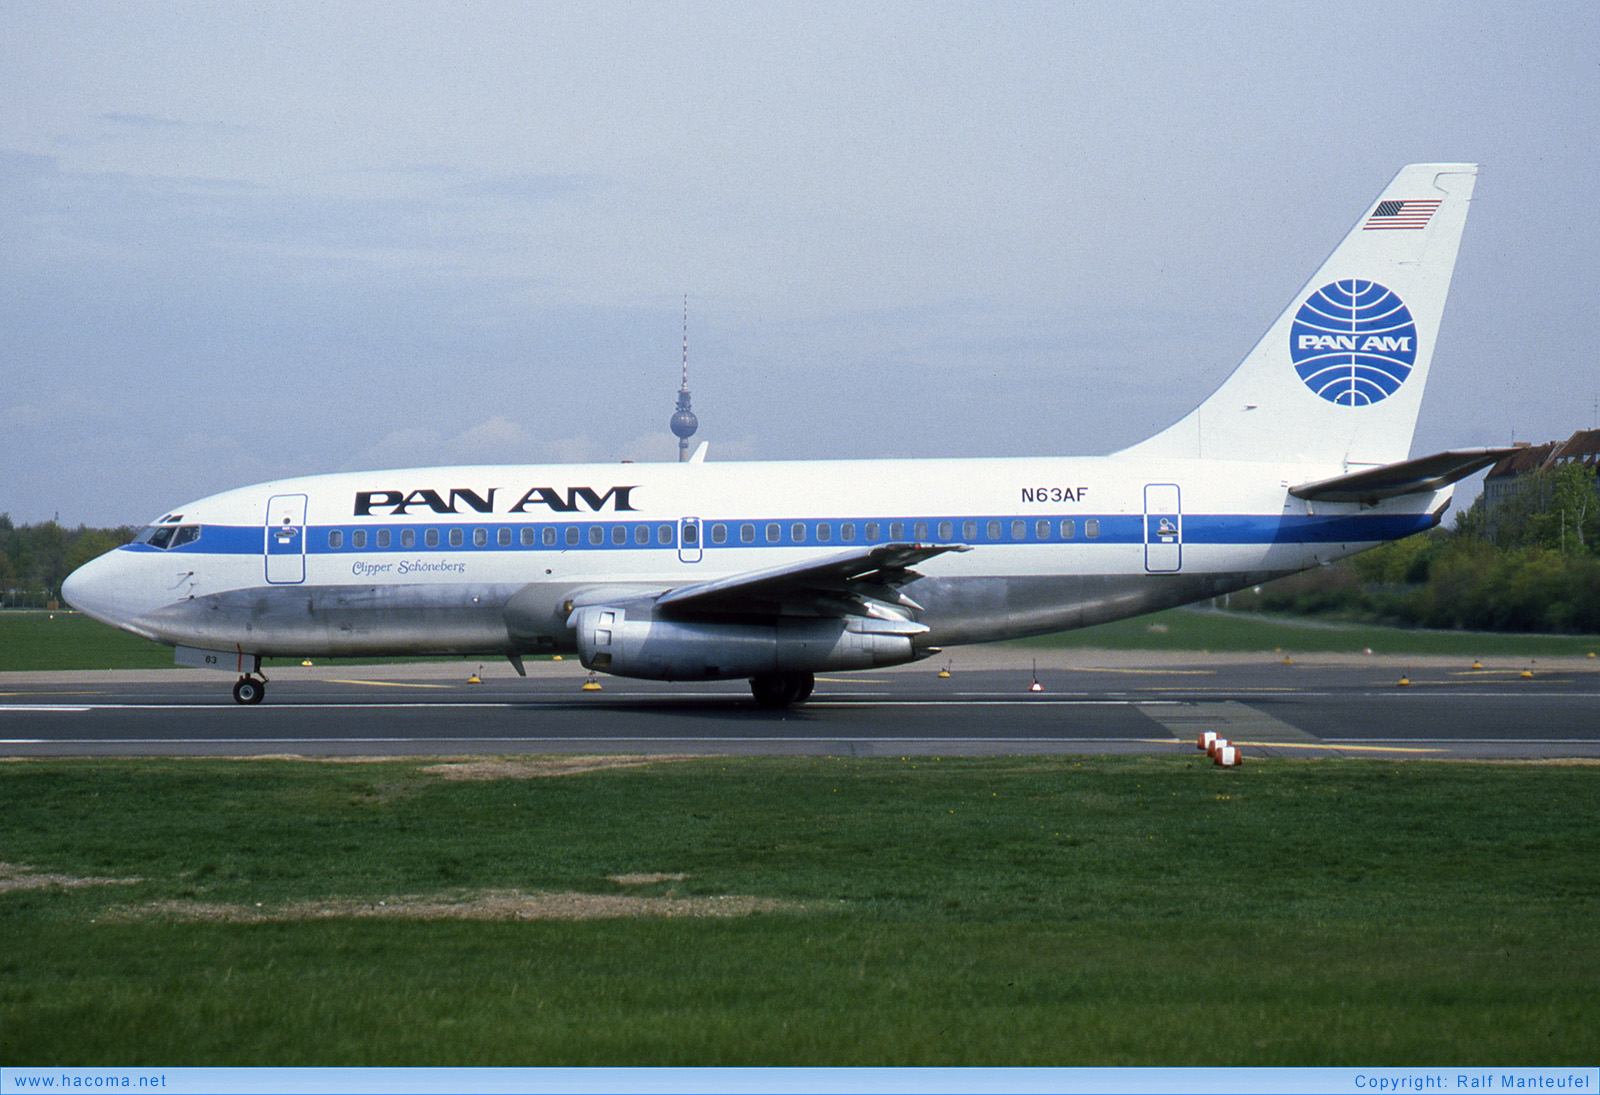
(1401, 214)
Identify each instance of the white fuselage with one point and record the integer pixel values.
(493, 560)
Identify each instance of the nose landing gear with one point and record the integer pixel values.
(249, 689)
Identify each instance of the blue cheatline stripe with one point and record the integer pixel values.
(1220, 529)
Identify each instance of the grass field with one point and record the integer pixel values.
(955, 911)
(34, 640)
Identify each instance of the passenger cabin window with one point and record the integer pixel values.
(969, 530)
(383, 537)
(994, 530)
(1091, 528)
(408, 537)
(641, 535)
(358, 539)
(457, 537)
(1019, 530)
(503, 537)
(871, 531)
(797, 533)
(335, 538)
(774, 533)
(1042, 530)
(691, 534)
(529, 535)
(548, 536)
(1068, 529)
(919, 531)
(719, 534)
(824, 533)
(431, 537)
(664, 535)
(597, 535)
(946, 530)
(572, 535)
(847, 533)
(897, 530)
(619, 534)
(480, 537)
(747, 534)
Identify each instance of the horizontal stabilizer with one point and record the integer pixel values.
(1425, 473)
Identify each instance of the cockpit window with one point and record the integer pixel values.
(168, 536)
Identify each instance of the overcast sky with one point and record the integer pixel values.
(243, 242)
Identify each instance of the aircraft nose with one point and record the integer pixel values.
(91, 589)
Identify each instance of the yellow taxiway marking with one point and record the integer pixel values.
(71, 692)
(1143, 672)
(392, 684)
(1484, 672)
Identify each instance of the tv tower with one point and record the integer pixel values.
(684, 423)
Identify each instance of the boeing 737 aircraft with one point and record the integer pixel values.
(775, 571)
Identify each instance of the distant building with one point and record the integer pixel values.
(1583, 446)
(1508, 476)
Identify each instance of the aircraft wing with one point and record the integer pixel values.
(1425, 473)
(862, 581)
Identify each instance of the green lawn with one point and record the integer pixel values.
(38, 640)
(955, 911)
(1206, 629)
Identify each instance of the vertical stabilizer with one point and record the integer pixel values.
(1339, 377)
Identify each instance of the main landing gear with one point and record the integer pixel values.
(249, 689)
(778, 690)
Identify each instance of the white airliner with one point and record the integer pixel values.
(775, 571)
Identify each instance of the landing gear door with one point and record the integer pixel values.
(1163, 529)
(286, 539)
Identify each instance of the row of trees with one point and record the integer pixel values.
(1530, 564)
(35, 558)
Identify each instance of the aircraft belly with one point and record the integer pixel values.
(974, 610)
(335, 621)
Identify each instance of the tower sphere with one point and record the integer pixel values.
(684, 423)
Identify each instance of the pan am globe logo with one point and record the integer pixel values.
(1353, 342)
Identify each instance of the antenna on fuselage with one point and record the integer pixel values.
(684, 423)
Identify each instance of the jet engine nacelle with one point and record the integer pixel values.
(631, 643)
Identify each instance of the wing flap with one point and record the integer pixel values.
(851, 583)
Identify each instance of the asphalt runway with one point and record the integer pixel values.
(1088, 703)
